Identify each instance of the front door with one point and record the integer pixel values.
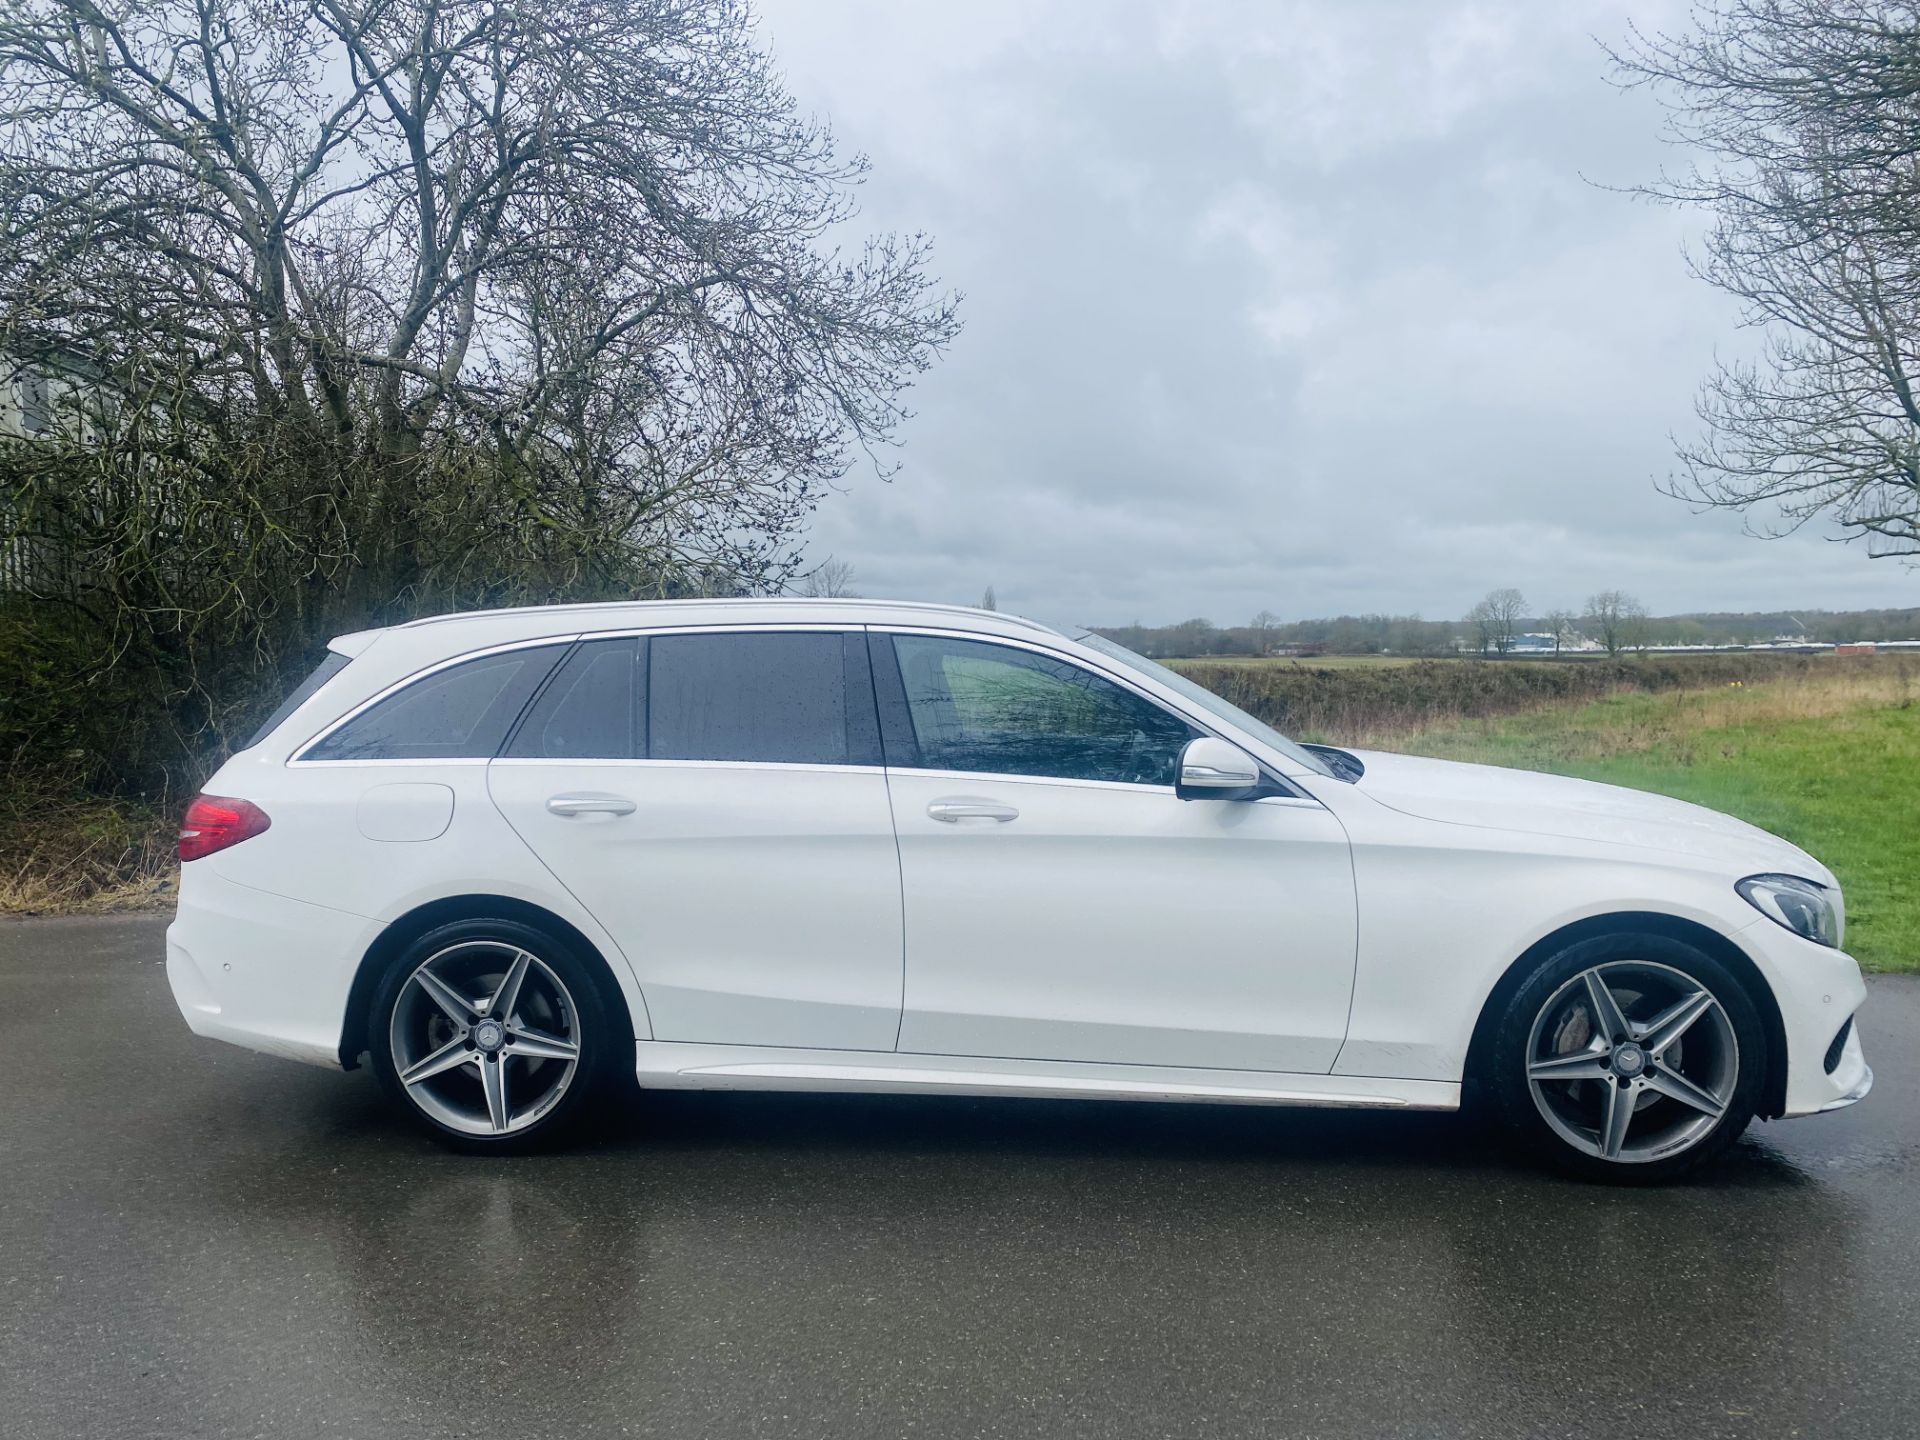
(1063, 904)
(716, 800)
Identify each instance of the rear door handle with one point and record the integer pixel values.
(570, 805)
(959, 807)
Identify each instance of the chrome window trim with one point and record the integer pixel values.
(299, 760)
(1089, 662)
(999, 777)
(1124, 682)
(580, 762)
(390, 760)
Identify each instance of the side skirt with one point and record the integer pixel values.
(679, 1065)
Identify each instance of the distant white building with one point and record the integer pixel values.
(57, 397)
(26, 408)
(41, 397)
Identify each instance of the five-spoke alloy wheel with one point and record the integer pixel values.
(1599, 1075)
(488, 1030)
(1629, 1058)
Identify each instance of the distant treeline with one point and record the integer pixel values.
(1835, 627)
(1410, 635)
(1341, 635)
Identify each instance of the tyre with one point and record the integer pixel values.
(1627, 1058)
(493, 1034)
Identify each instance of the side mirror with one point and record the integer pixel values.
(1213, 769)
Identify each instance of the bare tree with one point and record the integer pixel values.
(830, 579)
(1496, 619)
(1805, 111)
(1560, 624)
(1262, 626)
(394, 304)
(1637, 632)
(1480, 619)
(1615, 618)
(987, 601)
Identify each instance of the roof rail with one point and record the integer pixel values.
(862, 603)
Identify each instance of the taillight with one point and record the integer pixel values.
(214, 822)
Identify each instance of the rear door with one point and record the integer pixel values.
(715, 798)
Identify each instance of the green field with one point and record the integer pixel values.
(1831, 763)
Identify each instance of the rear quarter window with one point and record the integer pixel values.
(461, 712)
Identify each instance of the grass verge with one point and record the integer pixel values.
(83, 855)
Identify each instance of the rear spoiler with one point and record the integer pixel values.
(355, 643)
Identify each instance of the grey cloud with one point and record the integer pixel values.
(1306, 307)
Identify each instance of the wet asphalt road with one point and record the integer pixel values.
(199, 1241)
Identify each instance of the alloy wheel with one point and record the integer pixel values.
(485, 1037)
(1633, 1061)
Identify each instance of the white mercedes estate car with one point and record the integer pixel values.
(518, 857)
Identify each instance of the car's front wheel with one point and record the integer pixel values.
(491, 1033)
(1630, 1058)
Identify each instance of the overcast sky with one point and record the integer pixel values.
(1302, 307)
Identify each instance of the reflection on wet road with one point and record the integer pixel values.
(199, 1241)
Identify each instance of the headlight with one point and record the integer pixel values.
(1804, 907)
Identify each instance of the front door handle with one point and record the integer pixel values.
(570, 805)
(960, 807)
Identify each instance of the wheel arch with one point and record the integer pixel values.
(1635, 922)
(416, 922)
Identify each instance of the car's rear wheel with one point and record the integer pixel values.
(1629, 1058)
(491, 1033)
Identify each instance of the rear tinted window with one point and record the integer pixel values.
(771, 698)
(323, 672)
(461, 712)
(590, 710)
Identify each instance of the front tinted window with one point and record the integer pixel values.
(1209, 702)
(460, 712)
(771, 698)
(992, 708)
(590, 710)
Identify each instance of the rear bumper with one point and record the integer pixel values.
(263, 971)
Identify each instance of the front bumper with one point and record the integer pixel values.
(1850, 1070)
(1817, 990)
(1853, 1096)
